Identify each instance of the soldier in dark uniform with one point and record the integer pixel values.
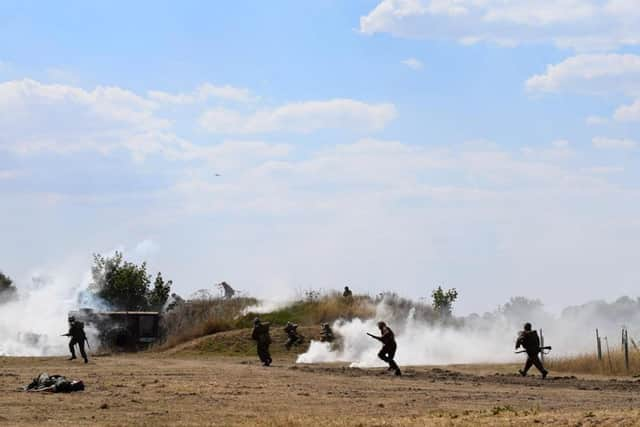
(293, 338)
(347, 292)
(389, 347)
(76, 332)
(530, 341)
(326, 334)
(261, 335)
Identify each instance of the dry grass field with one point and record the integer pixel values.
(189, 387)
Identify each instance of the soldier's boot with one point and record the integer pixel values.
(522, 372)
(86, 360)
(544, 374)
(398, 372)
(72, 358)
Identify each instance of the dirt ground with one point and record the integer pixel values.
(182, 389)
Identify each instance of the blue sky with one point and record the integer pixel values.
(392, 145)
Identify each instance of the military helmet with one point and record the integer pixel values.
(256, 320)
(527, 326)
(381, 324)
(72, 319)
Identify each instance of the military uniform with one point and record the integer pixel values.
(389, 347)
(347, 292)
(76, 332)
(530, 341)
(293, 338)
(326, 334)
(261, 335)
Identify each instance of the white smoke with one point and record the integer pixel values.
(476, 339)
(32, 323)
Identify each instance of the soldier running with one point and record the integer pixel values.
(389, 346)
(76, 332)
(530, 341)
(326, 334)
(293, 338)
(261, 335)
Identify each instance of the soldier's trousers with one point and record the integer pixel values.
(263, 354)
(533, 360)
(387, 354)
(72, 349)
(293, 340)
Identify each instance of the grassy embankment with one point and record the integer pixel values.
(200, 318)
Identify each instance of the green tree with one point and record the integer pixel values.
(125, 285)
(7, 290)
(159, 294)
(443, 300)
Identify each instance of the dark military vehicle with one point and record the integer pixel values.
(122, 330)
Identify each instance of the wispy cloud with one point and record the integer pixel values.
(413, 63)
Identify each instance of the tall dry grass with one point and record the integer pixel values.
(612, 363)
(196, 318)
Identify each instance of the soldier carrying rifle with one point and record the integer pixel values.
(389, 346)
(76, 332)
(530, 341)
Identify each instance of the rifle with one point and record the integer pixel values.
(540, 350)
(373, 336)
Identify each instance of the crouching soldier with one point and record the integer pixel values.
(76, 332)
(389, 346)
(530, 341)
(293, 337)
(326, 334)
(262, 337)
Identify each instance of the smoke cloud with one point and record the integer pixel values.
(32, 323)
(489, 338)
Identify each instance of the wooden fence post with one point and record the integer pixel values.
(626, 349)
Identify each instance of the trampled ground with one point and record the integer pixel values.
(193, 389)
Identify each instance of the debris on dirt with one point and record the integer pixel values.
(104, 406)
(53, 384)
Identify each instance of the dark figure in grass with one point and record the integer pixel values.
(76, 332)
(293, 337)
(347, 293)
(530, 341)
(326, 333)
(389, 346)
(261, 335)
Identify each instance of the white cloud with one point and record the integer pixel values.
(605, 170)
(628, 113)
(593, 74)
(301, 117)
(37, 117)
(580, 24)
(596, 120)
(203, 93)
(7, 174)
(413, 63)
(53, 117)
(613, 143)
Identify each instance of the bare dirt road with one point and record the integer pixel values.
(155, 389)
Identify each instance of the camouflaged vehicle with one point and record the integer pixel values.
(122, 330)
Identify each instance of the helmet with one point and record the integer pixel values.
(72, 319)
(527, 326)
(256, 320)
(289, 323)
(381, 324)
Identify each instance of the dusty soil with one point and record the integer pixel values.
(190, 389)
